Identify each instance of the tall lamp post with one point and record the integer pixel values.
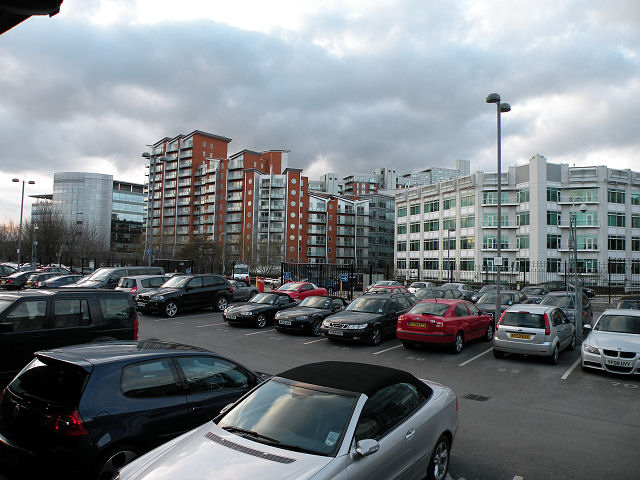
(573, 246)
(30, 182)
(500, 108)
(34, 244)
(152, 176)
(224, 243)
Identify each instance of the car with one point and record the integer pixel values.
(369, 318)
(308, 315)
(629, 302)
(531, 329)
(259, 311)
(613, 344)
(415, 286)
(33, 281)
(321, 421)
(487, 303)
(17, 280)
(55, 269)
(534, 293)
(331, 284)
(136, 284)
(384, 283)
(58, 281)
(448, 322)
(108, 277)
(465, 289)
(487, 288)
(388, 289)
(301, 290)
(242, 290)
(554, 285)
(6, 270)
(86, 410)
(565, 300)
(187, 292)
(38, 319)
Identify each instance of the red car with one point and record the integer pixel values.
(444, 321)
(388, 289)
(300, 290)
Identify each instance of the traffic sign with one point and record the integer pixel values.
(344, 277)
(286, 275)
(149, 251)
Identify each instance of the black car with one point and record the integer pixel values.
(487, 303)
(36, 277)
(187, 292)
(437, 292)
(369, 318)
(57, 282)
(629, 302)
(87, 410)
(560, 286)
(260, 310)
(535, 293)
(16, 280)
(307, 317)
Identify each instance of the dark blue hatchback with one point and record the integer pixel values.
(87, 410)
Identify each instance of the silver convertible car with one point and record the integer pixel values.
(328, 420)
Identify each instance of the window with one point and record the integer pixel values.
(490, 198)
(154, 378)
(582, 195)
(468, 221)
(467, 200)
(206, 374)
(116, 310)
(489, 242)
(635, 198)
(401, 264)
(615, 195)
(522, 195)
(402, 212)
(490, 220)
(553, 194)
(461, 310)
(523, 264)
(71, 313)
(414, 264)
(432, 225)
(28, 315)
(616, 242)
(617, 266)
(586, 218)
(432, 206)
(553, 242)
(448, 224)
(414, 209)
(523, 218)
(553, 265)
(635, 220)
(466, 265)
(414, 245)
(414, 227)
(449, 244)
(401, 229)
(587, 242)
(467, 243)
(522, 241)
(635, 244)
(402, 247)
(430, 244)
(430, 264)
(195, 282)
(448, 203)
(616, 219)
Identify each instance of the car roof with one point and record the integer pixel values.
(530, 307)
(142, 277)
(349, 376)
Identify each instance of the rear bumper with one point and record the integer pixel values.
(425, 337)
(522, 347)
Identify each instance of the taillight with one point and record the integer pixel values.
(9, 280)
(69, 424)
(135, 328)
(133, 290)
(547, 325)
(501, 317)
(456, 403)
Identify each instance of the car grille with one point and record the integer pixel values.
(614, 354)
(144, 298)
(343, 326)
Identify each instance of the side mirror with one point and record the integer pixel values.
(587, 326)
(367, 447)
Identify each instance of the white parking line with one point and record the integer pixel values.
(568, 372)
(263, 331)
(477, 356)
(178, 323)
(211, 325)
(314, 341)
(386, 350)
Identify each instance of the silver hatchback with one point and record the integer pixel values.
(541, 330)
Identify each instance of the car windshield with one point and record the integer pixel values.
(292, 417)
(428, 293)
(523, 319)
(490, 297)
(316, 302)
(533, 290)
(268, 298)
(289, 287)
(564, 301)
(176, 282)
(449, 285)
(619, 324)
(430, 308)
(367, 305)
(98, 275)
(418, 285)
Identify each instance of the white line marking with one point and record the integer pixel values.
(386, 350)
(178, 323)
(314, 341)
(211, 325)
(518, 477)
(477, 356)
(263, 331)
(568, 372)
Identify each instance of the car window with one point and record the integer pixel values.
(195, 282)
(387, 408)
(207, 374)
(338, 303)
(153, 378)
(28, 315)
(306, 287)
(72, 312)
(523, 319)
(59, 382)
(157, 281)
(473, 309)
(461, 310)
(392, 306)
(116, 310)
(145, 282)
(563, 316)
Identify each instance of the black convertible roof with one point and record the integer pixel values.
(352, 376)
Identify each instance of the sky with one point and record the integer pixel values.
(346, 86)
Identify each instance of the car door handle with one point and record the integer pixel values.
(197, 409)
(410, 434)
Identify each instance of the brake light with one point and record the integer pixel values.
(133, 290)
(456, 403)
(547, 325)
(9, 280)
(68, 424)
(501, 317)
(135, 328)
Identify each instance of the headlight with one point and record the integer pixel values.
(246, 314)
(302, 317)
(277, 315)
(157, 298)
(358, 327)
(325, 323)
(590, 348)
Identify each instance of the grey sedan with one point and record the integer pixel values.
(242, 291)
(328, 420)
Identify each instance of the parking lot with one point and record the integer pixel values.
(520, 417)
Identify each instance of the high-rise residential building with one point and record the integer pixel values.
(454, 222)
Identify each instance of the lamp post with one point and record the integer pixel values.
(30, 182)
(500, 108)
(449, 230)
(573, 246)
(34, 243)
(224, 243)
(152, 176)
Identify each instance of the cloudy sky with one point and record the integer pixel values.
(346, 85)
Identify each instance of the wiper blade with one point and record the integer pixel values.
(250, 433)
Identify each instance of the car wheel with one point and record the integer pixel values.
(114, 459)
(261, 321)
(553, 359)
(439, 463)
(376, 336)
(222, 303)
(170, 309)
(498, 354)
(489, 335)
(408, 344)
(458, 343)
(315, 328)
(572, 344)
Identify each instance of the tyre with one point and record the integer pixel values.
(171, 309)
(376, 336)
(488, 336)
(498, 354)
(458, 343)
(221, 303)
(261, 321)
(408, 344)
(315, 328)
(114, 459)
(553, 359)
(439, 463)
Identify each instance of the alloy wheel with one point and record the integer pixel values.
(171, 309)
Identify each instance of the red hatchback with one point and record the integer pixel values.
(444, 321)
(300, 290)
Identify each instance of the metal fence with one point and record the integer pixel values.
(338, 279)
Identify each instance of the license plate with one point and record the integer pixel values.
(524, 336)
(142, 304)
(231, 317)
(339, 333)
(618, 363)
(418, 324)
(285, 322)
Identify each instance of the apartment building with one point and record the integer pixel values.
(454, 223)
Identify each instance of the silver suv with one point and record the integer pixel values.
(542, 330)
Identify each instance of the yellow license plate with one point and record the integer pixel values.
(418, 324)
(524, 336)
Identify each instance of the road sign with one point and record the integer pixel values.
(344, 277)
(149, 251)
(286, 275)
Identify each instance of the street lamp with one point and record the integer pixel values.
(33, 246)
(30, 182)
(573, 246)
(500, 108)
(224, 243)
(448, 253)
(152, 176)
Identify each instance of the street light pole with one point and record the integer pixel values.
(34, 243)
(30, 182)
(577, 286)
(500, 108)
(224, 243)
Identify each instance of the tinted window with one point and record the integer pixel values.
(316, 302)
(626, 304)
(428, 308)
(219, 280)
(155, 378)
(55, 381)
(195, 282)
(461, 310)
(473, 309)
(28, 315)
(116, 310)
(72, 312)
(368, 305)
(523, 319)
(156, 281)
(392, 305)
(206, 374)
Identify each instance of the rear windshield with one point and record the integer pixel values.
(428, 308)
(523, 319)
(626, 304)
(53, 381)
(558, 301)
(127, 282)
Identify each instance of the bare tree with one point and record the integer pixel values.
(268, 258)
(205, 254)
